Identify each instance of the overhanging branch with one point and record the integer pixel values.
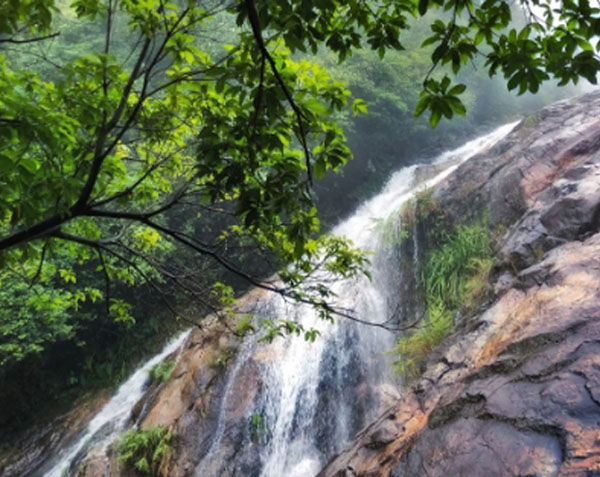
(257, 33)
(28, 40)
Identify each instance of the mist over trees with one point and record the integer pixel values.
(156, 157)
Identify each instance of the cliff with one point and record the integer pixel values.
(515, 389)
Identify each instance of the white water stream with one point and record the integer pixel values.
(311, 401)
(113, 417)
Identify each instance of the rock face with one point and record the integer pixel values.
(188, 403)
(29, 450)
(516, 389)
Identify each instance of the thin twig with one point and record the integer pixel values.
(28, 40)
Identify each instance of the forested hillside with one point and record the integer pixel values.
(157, 159)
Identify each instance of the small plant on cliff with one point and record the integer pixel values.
(477, 283)
(421, 208)
(412, 350)
(454, 277)
(145, 449)
(394, 229)
(244, 326)
(161, 372)
(257, 428)
(222, 357)
(448, 267)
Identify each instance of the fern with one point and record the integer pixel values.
(145, 449)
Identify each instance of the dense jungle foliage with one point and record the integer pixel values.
(156, 158)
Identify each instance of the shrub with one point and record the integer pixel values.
(455, 277)
(448, 267)
(145, 449)
(161, 372)
(222, 357)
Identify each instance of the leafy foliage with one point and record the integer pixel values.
(99, 156)
(258, 428)
(454, 277)
(145, 449)
(161, 372)
(32, 317)
(137, 149)
(555, 41)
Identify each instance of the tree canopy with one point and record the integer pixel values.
(210, 110)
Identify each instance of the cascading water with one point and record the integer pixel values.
(316, 396)
(113, 417)
(313, 397)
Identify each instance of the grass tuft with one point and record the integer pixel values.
(455, 277)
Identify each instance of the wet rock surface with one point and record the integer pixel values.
(187, 404)
(29, 450)
(517, 392)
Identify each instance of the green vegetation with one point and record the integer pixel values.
(389, 136)
(245, 325)
(257, 428)
(454, 278)
(422, 208)
(222, 357)
(457, 258)
(161, 372)
(149, 150)
(531, 121)
(145, 449)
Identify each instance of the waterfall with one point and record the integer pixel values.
(314, 396)
(114, 416)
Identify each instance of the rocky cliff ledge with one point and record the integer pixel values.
(515, 390)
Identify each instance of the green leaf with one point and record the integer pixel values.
(359, 106)
(458, 89)
(29, 164)
(422, 105)
(316, 106)
(435, 117)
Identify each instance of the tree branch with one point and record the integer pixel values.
(99, 246)
(257, 33)
(106, 280)
(103, 131)
(28, 40)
